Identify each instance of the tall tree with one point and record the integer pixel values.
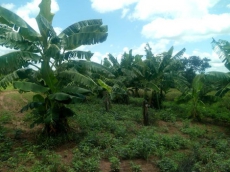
(194, 65)
(55, 83)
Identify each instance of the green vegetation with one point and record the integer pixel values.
(153, 113)
(118, 137)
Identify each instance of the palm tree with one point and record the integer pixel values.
(54, 80)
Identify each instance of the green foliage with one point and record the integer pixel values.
(5, 116)
(53, 80)
(147, 143)
(162, 72)
(193, 65)
(86, 159)
(167, 164)
(115, 164)
(135, 167)
(194, 132)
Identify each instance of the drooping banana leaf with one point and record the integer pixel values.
(31, 105)
(28, 86)
(8, 79)
(79, 54)
(130, 74)
(104, 85)
(75, 28)
(16, 60)
(93, 67)
(12, 39)
(179, 54)
(78, 78)
(63, 97)
(74, 90)
(18, 74)
(222, 48)
(76, 40)
(113, 60)
(14, 21)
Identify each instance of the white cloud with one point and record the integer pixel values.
(4, 50)
(9, 6)
(180, 20)
(58, 30)
(29, 11)
(149, 9)
(187, 30)
(103, 6)
(228, 6)
(98, 57)
(124, 12)
(157, 47)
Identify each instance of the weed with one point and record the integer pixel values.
(135, 167)
(5, 116)
(115, 164)
(167, 164)
(194, 132)
(167, 115)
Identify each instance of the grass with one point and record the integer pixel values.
(116, 140)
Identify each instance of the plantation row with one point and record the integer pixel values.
(60, 80)
(139, 109)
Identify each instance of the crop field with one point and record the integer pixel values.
(116, 140)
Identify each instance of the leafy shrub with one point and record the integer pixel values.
(115, 164)
(167, 165)
(135, 167)
(167, 115)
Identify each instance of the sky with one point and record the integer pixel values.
(189, 24)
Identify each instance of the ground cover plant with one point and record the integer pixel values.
(115, 140)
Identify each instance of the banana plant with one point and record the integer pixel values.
(161, 72)
(127, 73)
(41, 60)
(199, 93)
(221, 79)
